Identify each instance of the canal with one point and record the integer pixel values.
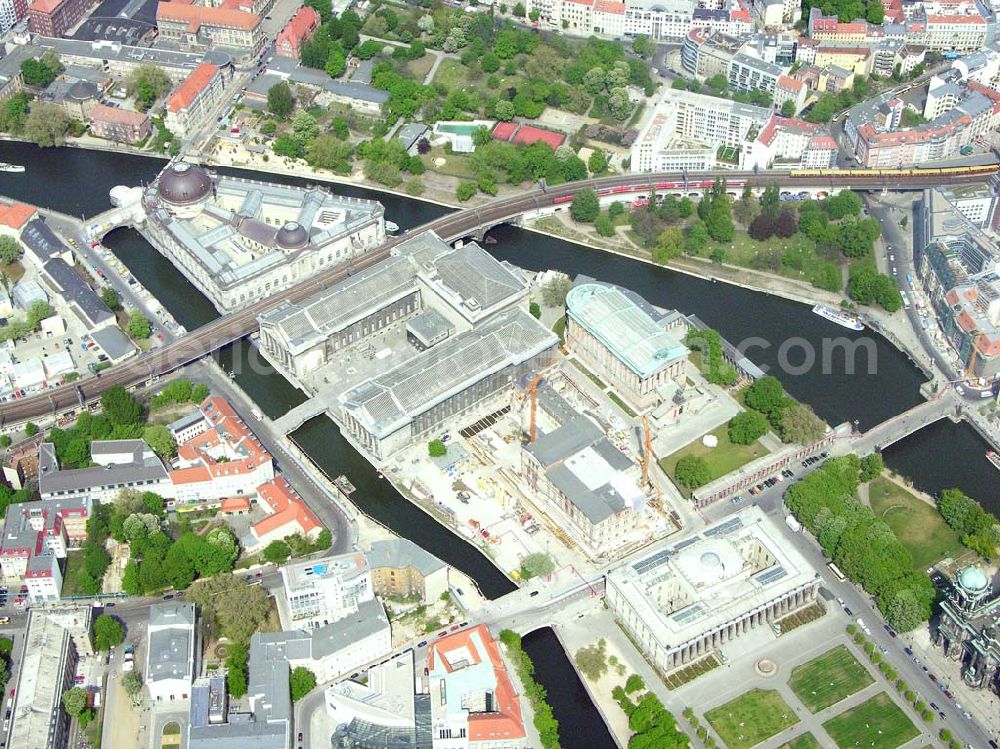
(580, 725)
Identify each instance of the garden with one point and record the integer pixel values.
(751, 718)
(829, 678)
(878, 722)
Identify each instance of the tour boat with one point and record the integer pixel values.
(391, 226)
(993, 458)
(841, 318)
(5, 167)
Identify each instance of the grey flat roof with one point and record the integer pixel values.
(113, 342)
(52, 480)
(597, 504)
(386, 402)
(74, 289)
(116, 447)
(429, 324)
(185, 421)
(566, 440)
(400, 553)
(291, 70)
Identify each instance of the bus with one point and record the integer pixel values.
(906, 300)
(836, 571)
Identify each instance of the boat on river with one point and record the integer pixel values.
(391, 226)
(16, 168)
(844, 319)
(993, 458)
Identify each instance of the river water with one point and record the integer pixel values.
(785, 332)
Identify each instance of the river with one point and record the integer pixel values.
(81, 184)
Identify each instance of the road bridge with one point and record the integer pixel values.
(451, 227)
(902, 425)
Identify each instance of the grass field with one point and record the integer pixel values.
(795, 257)
(875, 724)
(805, 741)
(751, 718)
(918, 525)
(828, 679)
(455, 76)
(74, 563)
(418, 69)
(722, 459)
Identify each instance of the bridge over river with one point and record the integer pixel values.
(453, 226)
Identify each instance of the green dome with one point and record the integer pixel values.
(973, 579)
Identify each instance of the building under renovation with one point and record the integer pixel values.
(240, 241)
(431, 335)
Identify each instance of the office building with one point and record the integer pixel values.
(172, 651)
(325, 590)
(121, 464)
(401, 568)
(202, 27)
(54, 641)
(686, 599)
(56, 17)
(192, 104)
(119, 125)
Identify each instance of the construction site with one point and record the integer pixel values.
(440, 367)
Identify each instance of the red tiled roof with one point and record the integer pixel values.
(822, 142)
(46, 6)
(607, 6)
(956, 19)
(286, 508)
(789, 84)
(117, 116)
(16, 215)
(197, 16)
(192, 86)
(527, 135)
(235, 504)
(305, 21)
(506, 722)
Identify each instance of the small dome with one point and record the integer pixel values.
(83, 90)
(292, 236)
(973, 579)
(710, 559)
(183, 183)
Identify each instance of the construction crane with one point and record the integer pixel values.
(531, 391)
(649, 476)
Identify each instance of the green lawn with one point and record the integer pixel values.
(795, 257)
(74, 563)
(918, 525)
(805, 741)
(455, 76)
(418, 69)
(875, 724)
(455, 164)
(722, 459)
(751, 718)
(828, 679)
(559, 328)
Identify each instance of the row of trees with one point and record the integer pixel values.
(868, 286)
(651, 724)
(545, 722)
(863, 546)
(715, 368)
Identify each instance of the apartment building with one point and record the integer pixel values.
(788, 142)
(56, 17)
(325, 590)
(748, 72)
(302, 26)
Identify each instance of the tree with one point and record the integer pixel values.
(158, 437)
(110, 297)
(669, 244)
(36, 73)
(535, 309)
(696, 238)
(906, 612)
(108, 632)
(719, 221)
(367, 49)
(786, 225)
(770, 201)
(643, 46)
(604, 225)
(236, 669)
(555, 291)
(585, 207)
(146, 84)
(437, 449)
(871, 467)
(504, 110)
(788, 109)
(132, 683)
(301, 682)
(761, 228)
(130, 578)
(592, 660)
(336, 61)
(597, 163)
(31, 429)
(799, 424)
(765, 395)
(138, 326)
(537, 564)
(519, 9)
(634, 683)
(466, 190)
(280, 100)
(47, 124)
(119, 407)
(236, 608)
(277, 552)
(692, 471)
(74, 701)
(875, 12)
(10, 249)
(844, 203)
(747, 427)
